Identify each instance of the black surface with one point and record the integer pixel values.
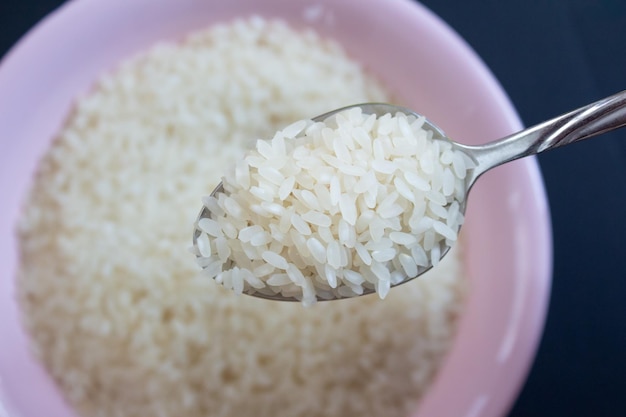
(550, 56)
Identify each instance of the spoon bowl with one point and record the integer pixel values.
(378, 109)
(588, 121)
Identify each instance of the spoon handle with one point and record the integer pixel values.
(596, 118)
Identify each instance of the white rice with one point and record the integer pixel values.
(364, 159)
(118, 314)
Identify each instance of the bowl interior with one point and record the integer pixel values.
(508, 244)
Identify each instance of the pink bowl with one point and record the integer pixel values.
(416, 55)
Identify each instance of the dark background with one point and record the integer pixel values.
(550, 56)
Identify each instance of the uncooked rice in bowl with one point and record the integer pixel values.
(120, 315)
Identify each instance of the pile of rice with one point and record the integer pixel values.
(118, 311)
(334, 208)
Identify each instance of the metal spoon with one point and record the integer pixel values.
(596, 118)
